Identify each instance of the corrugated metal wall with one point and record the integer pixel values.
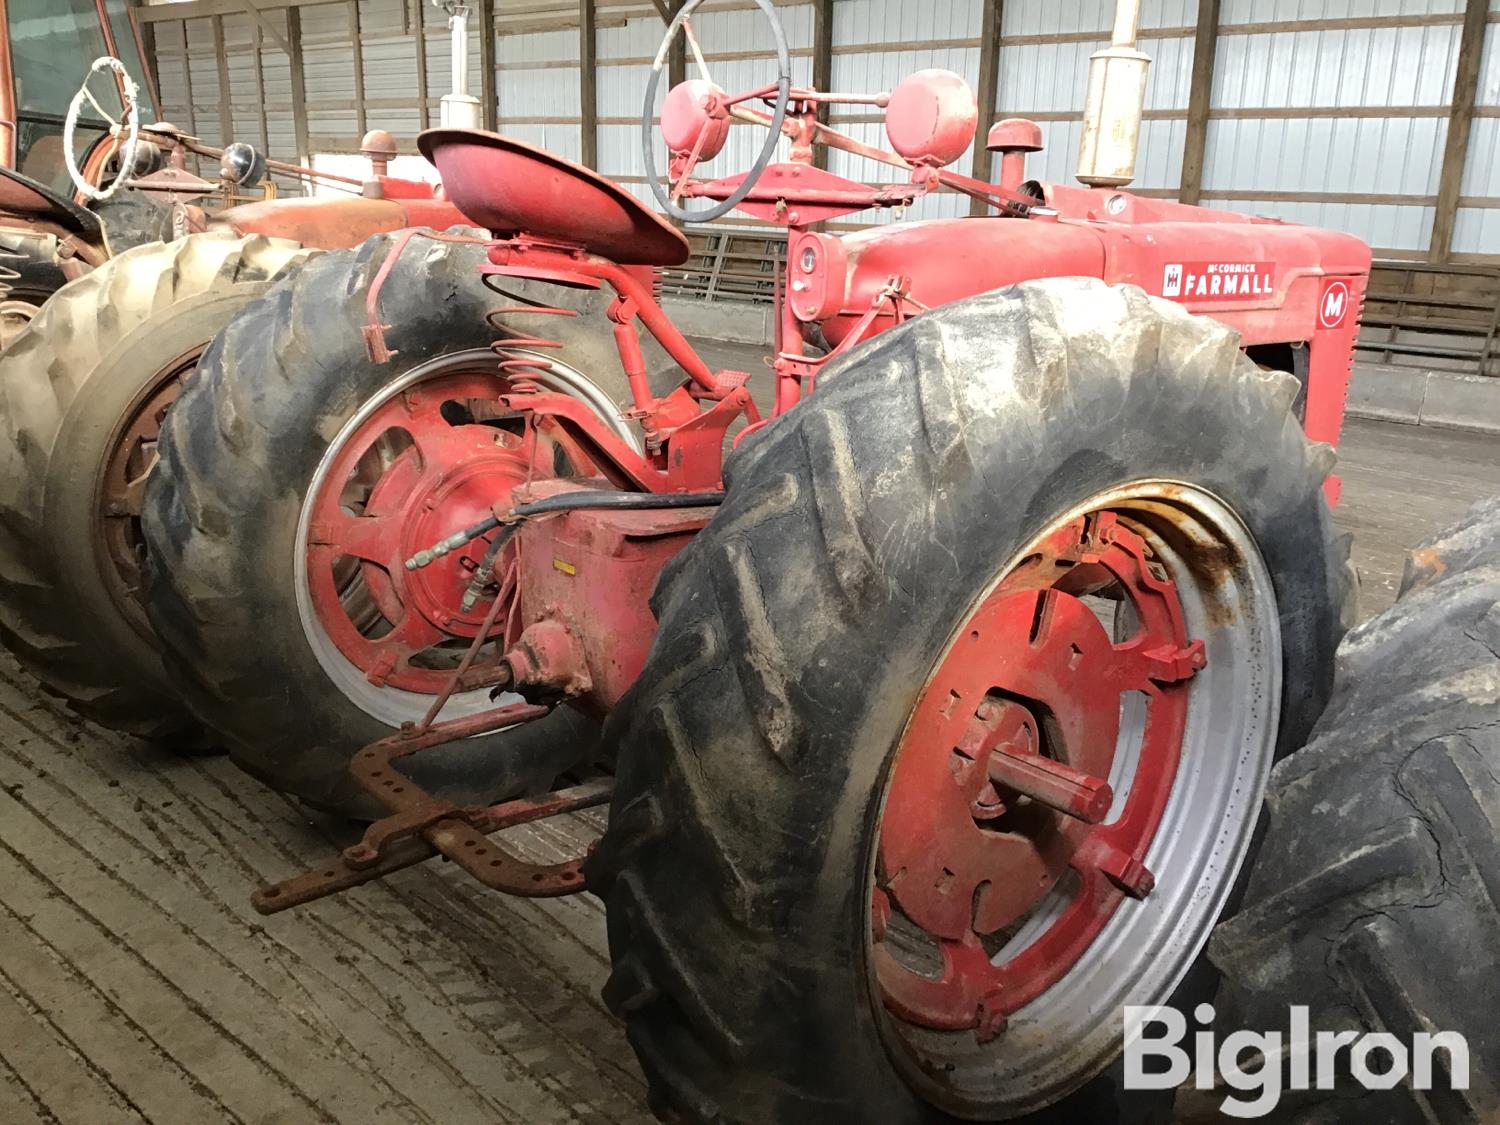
(876, 43)
(739, 51)
(538, 90)
(1332, 112)
(257, 75)
(1044, 62)
(1332, 121)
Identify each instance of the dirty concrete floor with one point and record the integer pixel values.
(137, 985)
(1401, 483)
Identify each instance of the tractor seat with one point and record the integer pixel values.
(510, 187)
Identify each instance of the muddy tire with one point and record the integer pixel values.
(798, 631)
(1376, 901)
(68, 385)
(242, 454)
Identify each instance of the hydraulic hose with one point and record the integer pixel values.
(562, 502)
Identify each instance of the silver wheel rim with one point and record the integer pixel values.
(1074, 1030)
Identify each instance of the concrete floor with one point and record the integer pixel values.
(136, 984)
(1401, 483)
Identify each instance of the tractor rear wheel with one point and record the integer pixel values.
(84, 389)
(1376, 902)
(297, 475)
(953, 738)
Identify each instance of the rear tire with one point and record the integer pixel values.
(799, 628)
(242, 452)
(69, 383)
(1376, 901)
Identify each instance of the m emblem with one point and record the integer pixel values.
(1335, 304)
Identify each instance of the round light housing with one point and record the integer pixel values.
(932, 117)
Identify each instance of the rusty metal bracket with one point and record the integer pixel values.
(421, 825)
(374, 328)
(341, 875)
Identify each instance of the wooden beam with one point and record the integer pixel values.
(145, 43)
(358, 50)
(260, 89)
(420, 45)
(677, 58)
(187, 83)
(299, 87)
(588, 81)
(1200, 101)
(265, 22)
(221, 60)
(822, 66)
(148, 12)
(488, 96)
(1460, 121)
(988, 92)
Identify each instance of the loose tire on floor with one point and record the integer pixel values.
(101, 346)
(278, 396)
(799, 630)
(1376, 901)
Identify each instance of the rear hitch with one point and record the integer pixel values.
(421, 826)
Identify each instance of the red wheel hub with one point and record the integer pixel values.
(1002, 842)
(417, 469)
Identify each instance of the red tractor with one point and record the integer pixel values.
(938, 695)
(120, 265)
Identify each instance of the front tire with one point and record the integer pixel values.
(760, 751)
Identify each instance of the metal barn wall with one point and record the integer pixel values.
(384, 83)
(739, 51)
(539, 90)
(1044, 62)
(1334, 112)
(257, 77)
(876, 43)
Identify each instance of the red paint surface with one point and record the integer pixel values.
(507, 186)
(1032, 673)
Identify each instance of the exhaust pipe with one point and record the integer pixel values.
(458, 109)
(1116, 100)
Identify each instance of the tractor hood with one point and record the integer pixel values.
(1265, 278)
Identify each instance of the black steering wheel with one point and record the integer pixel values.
(678, 26)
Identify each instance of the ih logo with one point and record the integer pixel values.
(1334, 305)
(1171, 283)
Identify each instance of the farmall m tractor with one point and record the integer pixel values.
(936, 716)
(156, 261)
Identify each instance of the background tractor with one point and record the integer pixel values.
(940, 687)
(122, 264)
